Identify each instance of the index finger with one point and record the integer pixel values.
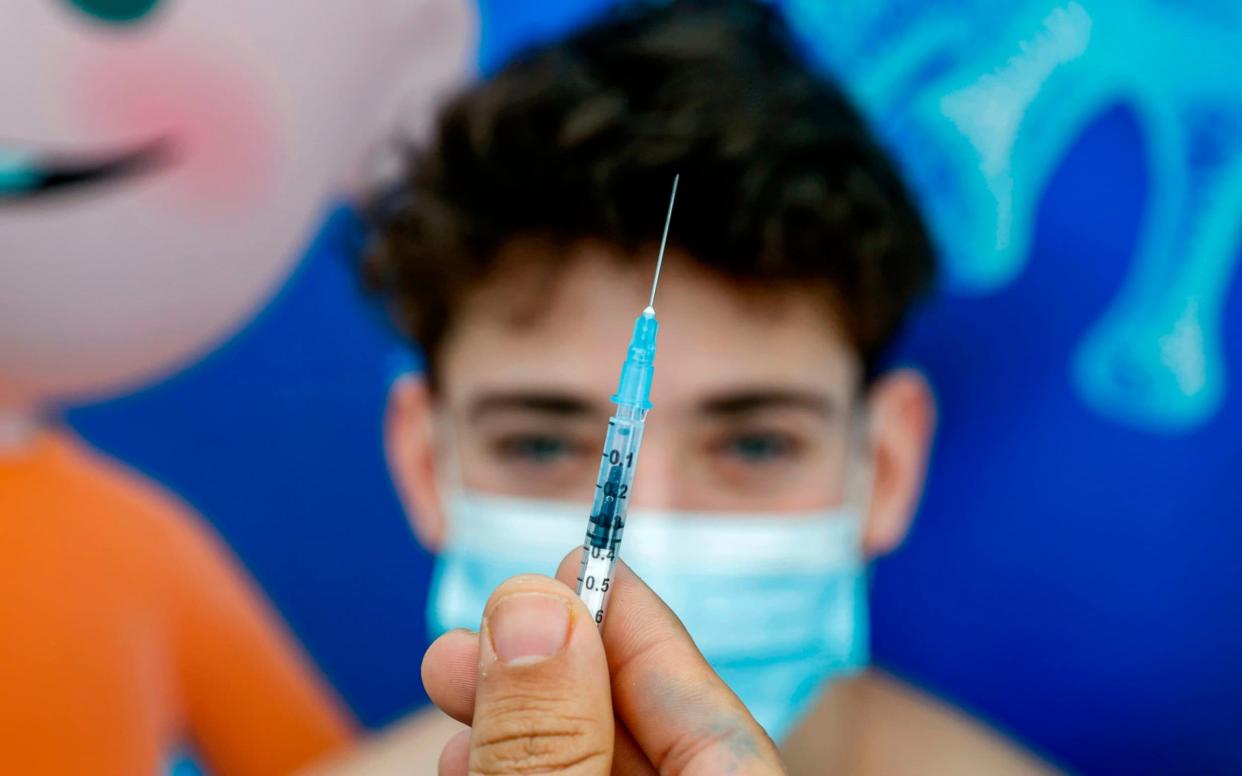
(681, 714)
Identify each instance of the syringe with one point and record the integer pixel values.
(613, 488)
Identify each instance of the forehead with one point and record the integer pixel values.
(566, 329)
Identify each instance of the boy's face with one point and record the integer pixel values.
(756, 398)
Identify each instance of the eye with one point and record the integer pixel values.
(760, 448)
(117, 12)
(536, 449)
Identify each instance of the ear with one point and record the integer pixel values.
(903, 419)
(410, 446)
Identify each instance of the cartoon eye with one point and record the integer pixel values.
(116, 11)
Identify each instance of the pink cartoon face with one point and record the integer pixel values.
(162, 161)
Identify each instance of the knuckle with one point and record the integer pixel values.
(529, 737)
(722, 746)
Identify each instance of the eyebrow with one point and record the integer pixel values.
(545, 402)
(743, 402)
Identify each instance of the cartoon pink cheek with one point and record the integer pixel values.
(209, 116)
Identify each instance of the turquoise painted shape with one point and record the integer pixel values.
(981, 102)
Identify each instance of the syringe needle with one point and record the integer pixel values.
(668, 219)
(621, 445)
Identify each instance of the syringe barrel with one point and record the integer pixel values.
(611, 504)
(595, 580)
(616, 467)
(616, 476)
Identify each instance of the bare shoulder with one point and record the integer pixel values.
(411, 745)
(876, 724)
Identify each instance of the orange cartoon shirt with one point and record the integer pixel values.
(127, 631)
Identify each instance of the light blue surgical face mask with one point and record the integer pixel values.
(776, 602)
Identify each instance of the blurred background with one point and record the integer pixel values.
(1073, 575)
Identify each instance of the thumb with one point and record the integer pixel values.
(542, 702)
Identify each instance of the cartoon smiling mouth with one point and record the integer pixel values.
(26, 175)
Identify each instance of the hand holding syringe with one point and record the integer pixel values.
(625, 434)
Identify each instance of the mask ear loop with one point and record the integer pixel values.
(859, 471)
(861, 479)
(450, 482)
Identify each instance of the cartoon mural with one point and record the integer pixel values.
(161, 165)
(982, 118)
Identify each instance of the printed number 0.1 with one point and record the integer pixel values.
(614, 458)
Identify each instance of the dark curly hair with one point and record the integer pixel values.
(782, 185)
